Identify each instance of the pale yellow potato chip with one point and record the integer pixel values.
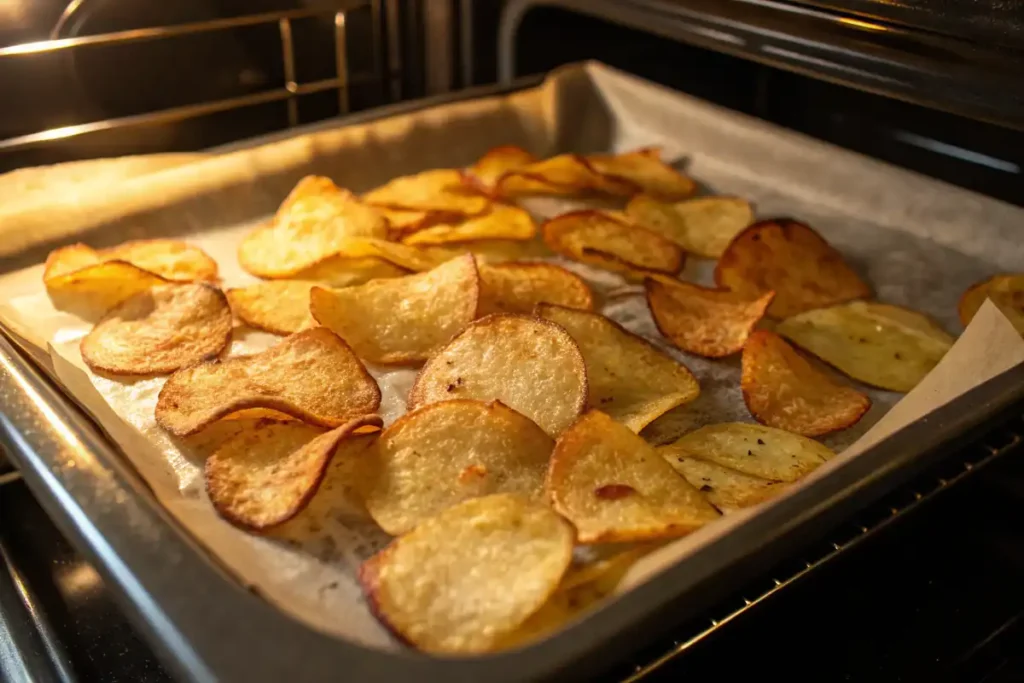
(488, 169)
(169, 259)
(402, 320)
(725, 488)
(501, 222)
(881, 345)
(703, 226)
(503, 251)
(519, 287)
(91, 291)
(614, 487)
(405, 221)
(644, 169)
(346, 271)
(277, 306)
(531, 365)
(1005, 291)
(403, 257)
(435, 190)
(462, 581)
(562, 175)
(629, 378)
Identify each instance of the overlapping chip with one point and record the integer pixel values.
(782, 389)
(1005, 291)
(725, 488)
(160, 330)
(447, 452)
(345, 271)
(563, 175)
(519, 287)
(703, 226)
(168, 259)
(276, 306)
(374, 256)
(462, 581)
(879, 344)
(529, 364)
(708, 322)
(503, 251)
(402, 320)
(610, 241)
(628, 377)
(501, 222)
(488, 169)
(792, 260)
(406, 221)
(434, 190)
(614, 487)
(644, 169)
(312, 375)
(93, 290)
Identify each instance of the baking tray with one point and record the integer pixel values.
(211, 628)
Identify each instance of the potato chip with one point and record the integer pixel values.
(563, 175)
(447, 452)
(881, 345)
(277, 306)
(502, 222)
(347, 271)
(264, 476)
(312, 375)
(168, 259)
(518, 287)
(792, 260)
(629, 378)
(610, 241)
(708, 322)
(485, 173)
(367, 254)
(462, 581)
(644, 169)
(703, 226)
(435, 190)
(782, 389)
(503, 251)
(406, 221)
(160, 330)
(614, 487)
(725, 488)
(1005, 291)
(402, 320)
(92, 291)
(531, 365)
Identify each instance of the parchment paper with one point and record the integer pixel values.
(918, 242)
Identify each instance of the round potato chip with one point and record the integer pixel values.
(563, 175)
(644, 169)
(610, 241)
(312, 375)
(502, 222)
(462, 581)
(160, 330)
(518, 287)
(91, 291)
(1005, 291)
(278, 306)
(614, 487)
(708, 322)
(170, 259)
(345, 271)
(402, 320)
(724, 488)
(488, 169)
(447, 452)
(264, 476)
(531, 365)
(703, 226)
(435, 190)
(782, 389)
(792, 260)
(881, 345)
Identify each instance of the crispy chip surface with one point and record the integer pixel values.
(503, 251)
(435, 190)
(91, 291)
(488, 169)
(403, 257)
(725, 488)
(277, 306)
(402, 320)
(792, 260)
(529, 364)
(563, 175)
(610, 241)
(1006, 292)
(170, 259)
(879, 344)
(782, 389)
(708, 322)
(312, 375)
(614, 487)
(447, 452)
(519, 287)
(345, 271)
(462, 581)
(644, 169)
(160, 330)
(264, 476)
(703, 226)
(629, 378)
(501, 222)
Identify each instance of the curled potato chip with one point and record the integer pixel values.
(447, 452)
(264, 476)
(564, 175)
(346, 271)
(629, 378)
(503, 251)
(406, 221)
(725, 488)
(464, 580)
(531, 365)
(518, 287)
(168, 259)
(703, 226)
(488, 169)
(792, 260)
(782, 389)
(277, 306)
(610, 241)
(372, 252)
(1006, 292)
(402, 320)
(93, 290)
(311, 375)
(708, 322)
(879, 344)
(435, 190)
(502, 222)
(644, 169)
(615, 487)
(160, 330)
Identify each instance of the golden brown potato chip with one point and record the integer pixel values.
(629, 378)
(782, 389)
(346, 271)
(311, 375)
(266, 475)
(644, 169)
(1006, 292)
(406, 221)
(502, 222)
(93, 290)
(708, 322)
(435, 190)
(614, 487)
(881, 345)
(462, 581)
(169, 259)
(518, 287)
(447, 452)
(610, 241)
(160, 330)
(531, 365)
(488, 169)
(402, 320)
(401, 256)
(792, 260)
(563, 175)
(702, 226)
(278, 306)
(725, 488)
(503, 251)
